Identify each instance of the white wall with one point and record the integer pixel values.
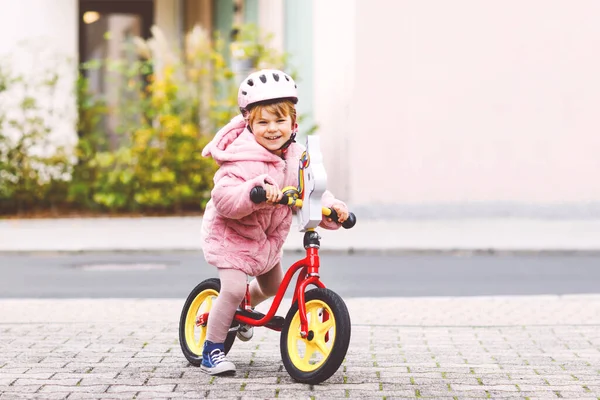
(55, 21)
(270, 19)
(334, 81)
(463, 102)
(36, 35)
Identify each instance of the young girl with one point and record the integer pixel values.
(239, 237)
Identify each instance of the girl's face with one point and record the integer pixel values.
(272, 131)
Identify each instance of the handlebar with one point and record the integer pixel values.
(349, 223)
(259, 195)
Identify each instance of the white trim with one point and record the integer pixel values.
(334, 75)
(270, 19)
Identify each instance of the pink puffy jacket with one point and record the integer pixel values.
(236, 233)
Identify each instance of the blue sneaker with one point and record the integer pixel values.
(213, 359)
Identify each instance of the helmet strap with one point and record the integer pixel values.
(289, 142)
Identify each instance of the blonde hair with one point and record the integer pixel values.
(280, 109)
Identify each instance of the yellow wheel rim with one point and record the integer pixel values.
(309, 355)
(195, 335)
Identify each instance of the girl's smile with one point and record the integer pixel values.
(272, 131)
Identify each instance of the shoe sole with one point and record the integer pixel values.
(243, 338)
(213, 371)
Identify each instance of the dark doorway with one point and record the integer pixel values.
(96, 17)
(106, 29)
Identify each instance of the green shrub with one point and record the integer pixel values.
(168, 107)
(33, 169)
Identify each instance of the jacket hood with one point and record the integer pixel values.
(234, 142)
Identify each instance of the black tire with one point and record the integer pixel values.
(190, 345)
(336, 340)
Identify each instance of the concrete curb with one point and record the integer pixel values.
(182, 234)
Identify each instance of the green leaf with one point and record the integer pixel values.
(28, 103)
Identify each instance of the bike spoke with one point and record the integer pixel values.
(308, 352)
(209, 301)
(201, 338)
(321, 346)
(314, 319)
(325, 326)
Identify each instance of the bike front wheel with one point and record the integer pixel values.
(314, 358)
(191, 335)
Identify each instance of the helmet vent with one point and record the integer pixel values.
(276, 77)
(263, 78)
(244, 92)
(250, 82)
(287, 78)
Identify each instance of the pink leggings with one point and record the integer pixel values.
(233, 290)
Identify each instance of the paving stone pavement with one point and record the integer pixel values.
(536, 347)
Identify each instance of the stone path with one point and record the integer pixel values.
(538, 347)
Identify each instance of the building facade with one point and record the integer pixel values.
(439, 109)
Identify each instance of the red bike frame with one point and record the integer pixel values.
(309, 275)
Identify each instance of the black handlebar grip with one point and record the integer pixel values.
(259, 195)
(349, 223)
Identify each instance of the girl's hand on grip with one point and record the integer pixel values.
(341, 211)
(273, 193)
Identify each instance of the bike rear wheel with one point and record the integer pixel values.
(192, 337)
(314, 358)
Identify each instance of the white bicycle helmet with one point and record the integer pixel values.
(265, 86)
